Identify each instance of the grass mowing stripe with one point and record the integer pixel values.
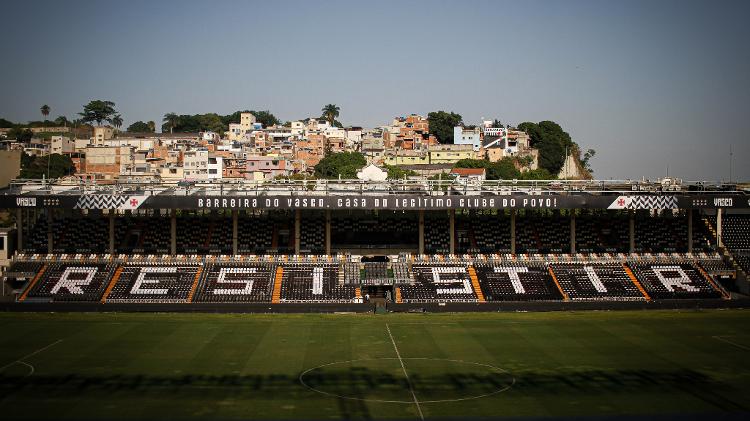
(613, 363)
(411, 389)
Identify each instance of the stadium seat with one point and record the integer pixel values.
(596, 282)
(516, 282)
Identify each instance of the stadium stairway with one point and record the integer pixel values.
(724, 293)
(112, 282)
(33, 282)
(276, 296)
(474, 284)
(341, 280)
(726, 255)
(557, 284)
(398, 295)
(358, 293)
(207, 241)
(637, 284)
(195, 284)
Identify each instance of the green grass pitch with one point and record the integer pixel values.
(395, 366)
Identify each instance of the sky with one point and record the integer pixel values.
(652, 86)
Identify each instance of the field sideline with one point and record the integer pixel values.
(396, 366)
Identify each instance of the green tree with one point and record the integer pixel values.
(504, 169)
(139, 127)
(551, 155)
(396, 172)
(170, 120)
(585, 161)
(266, 118)
(552, 142)
(62, 121)
(98, 111)
(330, 112)
(151, 126)
(20, 134)
(117, 121)
(45, 109)
(59, 165)
(537, 174)
(26, 160)
(211, 122)
(442, 124)
(345, 164)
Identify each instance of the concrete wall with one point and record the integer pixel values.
(10, 166)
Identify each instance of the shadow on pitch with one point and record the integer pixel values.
(363, 382)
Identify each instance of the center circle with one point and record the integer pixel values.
(430, 379)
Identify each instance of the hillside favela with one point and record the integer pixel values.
(422, 210)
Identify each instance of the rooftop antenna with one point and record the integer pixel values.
(730, 162)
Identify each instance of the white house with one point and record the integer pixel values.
(466, 136)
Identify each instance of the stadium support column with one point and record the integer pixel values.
(235, 227)
(512, 231)
(719, 243)
(631, 214)
(421, 231)
(328, 232)
(173, 232)
(690, 230)
(297, 229)
(19, 228)
(572, 231)
(111, 231)
(452, 224)
(50, 245)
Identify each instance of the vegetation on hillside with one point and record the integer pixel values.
(139, 127)
(442, 124)
(98, 111)
(49, 166)
(345, 164)
(187, 123)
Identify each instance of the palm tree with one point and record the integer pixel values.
(62, 121)
(117, 121)
(151, 126)
(172, 120)
(330, 112)
(45, 111)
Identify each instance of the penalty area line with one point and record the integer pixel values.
(403, 367)
(723, 339)
(21, 360)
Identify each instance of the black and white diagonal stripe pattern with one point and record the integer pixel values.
(652, 202)
(100, 201)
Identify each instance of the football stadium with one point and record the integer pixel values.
(344, 210)
(415, 300)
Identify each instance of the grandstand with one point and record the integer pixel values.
(407, 279)
(284, 244)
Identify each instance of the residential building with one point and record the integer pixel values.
(102, 133)
(215, 167)
(62, 145)
(469, 174)
(469, 135)
(266, 166)
(108, 162)
(195, 164)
